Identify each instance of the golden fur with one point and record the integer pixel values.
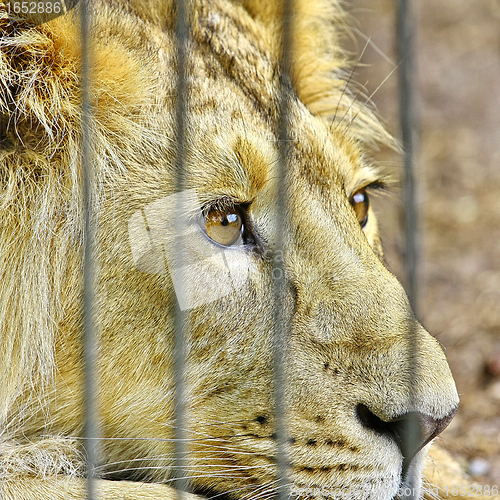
(351, 319)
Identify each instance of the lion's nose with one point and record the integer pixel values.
(411, 431)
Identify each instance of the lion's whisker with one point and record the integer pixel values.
(374, 46)
(370, 97)
(348, 81)
(269, 491)
(266, 487)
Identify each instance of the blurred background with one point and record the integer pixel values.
(458, 76)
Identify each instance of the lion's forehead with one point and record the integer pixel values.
(233, 146)
(233, 101)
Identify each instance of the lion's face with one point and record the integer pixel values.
(349, 378)
(358, 364)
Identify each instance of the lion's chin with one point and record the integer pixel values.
(411, 484)
(410, 487)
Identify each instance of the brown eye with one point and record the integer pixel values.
(361, 203)
(224, 226)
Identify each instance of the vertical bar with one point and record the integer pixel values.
(180, 317)
(90, 433)
(409, 120)
(281, 319)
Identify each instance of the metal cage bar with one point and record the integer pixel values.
(408, 123)
(180, 320)
(281, 321)
(90, 430)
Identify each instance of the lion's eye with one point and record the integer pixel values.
(224, 226)
(361, 203)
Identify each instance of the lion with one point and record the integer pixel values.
(351, 388)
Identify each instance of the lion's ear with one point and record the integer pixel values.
(320, 64)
